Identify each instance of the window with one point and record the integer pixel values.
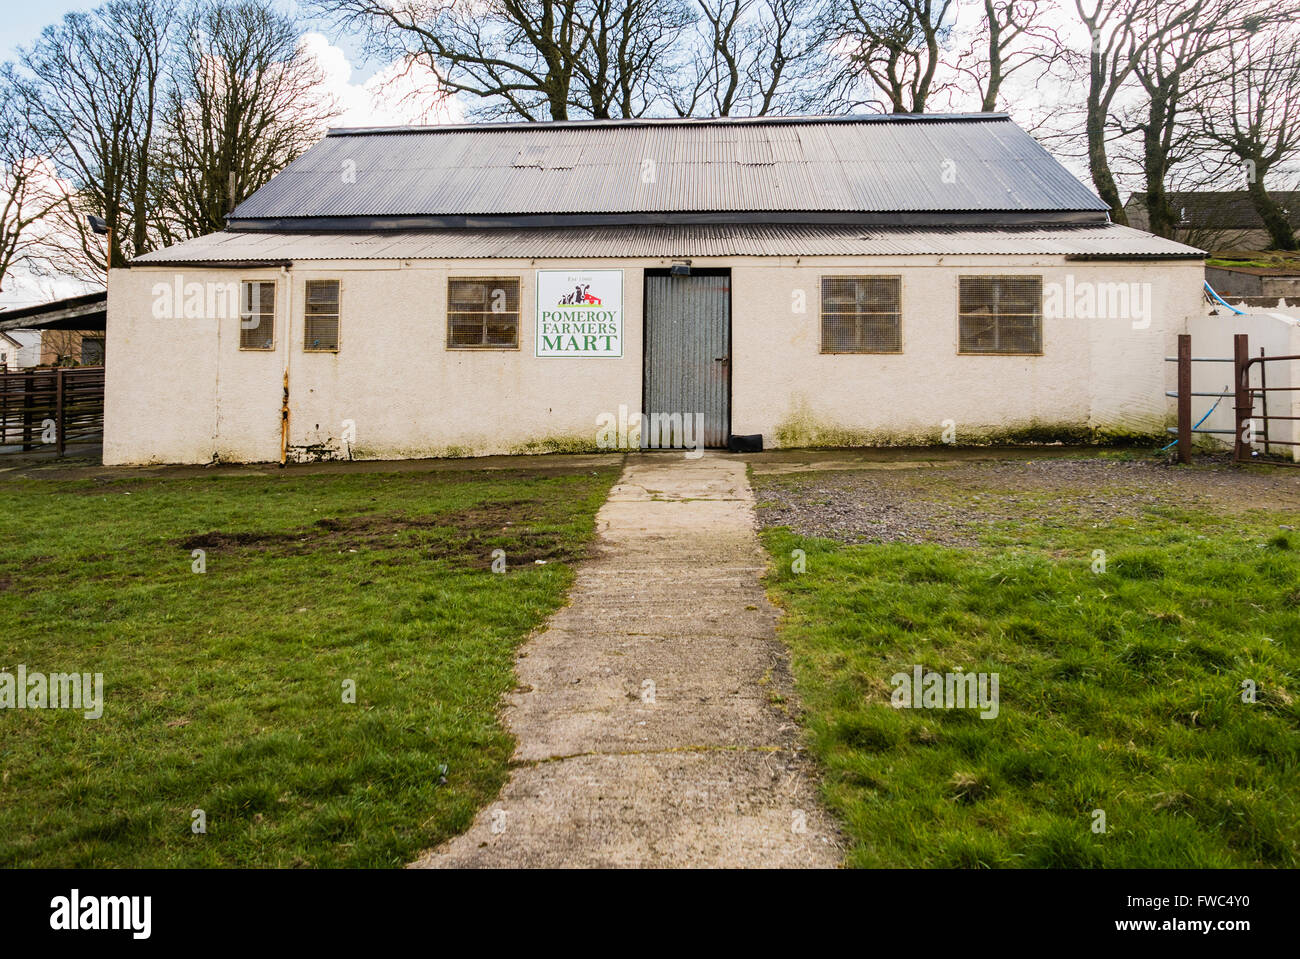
(321, 317)
(1000, 314)
(92, 351)
(862, 314)
(256, 314)
(483, 312)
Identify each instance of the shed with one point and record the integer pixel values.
(1218, 219)
(473, 289)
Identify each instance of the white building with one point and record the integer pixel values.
(524, 287)
(19, 349)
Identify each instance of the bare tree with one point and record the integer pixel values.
(27, 190)
(625, 67)
(93, 83)
(1253, 115)
(1170, 73)
(892, 47)
(1118, 42)
(1013, 36)
(749, 58)
(241, 102)
(516, 57)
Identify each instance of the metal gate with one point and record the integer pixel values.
(688, 356)
(1250, 429)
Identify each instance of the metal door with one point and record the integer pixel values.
(688, 353)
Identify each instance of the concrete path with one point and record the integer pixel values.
(651, 712)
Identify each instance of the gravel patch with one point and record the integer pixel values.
(954, 504)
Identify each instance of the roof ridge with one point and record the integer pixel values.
(508, 125)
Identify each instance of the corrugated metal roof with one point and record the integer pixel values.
(866, 164)
(624, 242)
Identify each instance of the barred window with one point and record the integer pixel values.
(483, 312)
(1000, 314)
(257, 314)
(862, 314)
(321, 317)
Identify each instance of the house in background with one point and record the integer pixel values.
(13, 352)
(72, 347)
(490, 288)
(1217, 220)
(19, 349)
(65, 332)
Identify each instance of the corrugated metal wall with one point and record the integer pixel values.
(688, 354)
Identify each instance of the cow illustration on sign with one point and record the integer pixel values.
(579, 297)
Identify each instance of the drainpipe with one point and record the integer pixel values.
(288, 335)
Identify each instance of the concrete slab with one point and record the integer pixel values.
(652, 715)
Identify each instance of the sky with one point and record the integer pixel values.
(23, 23)
(348, 71)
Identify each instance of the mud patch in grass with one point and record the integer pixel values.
(467, 537)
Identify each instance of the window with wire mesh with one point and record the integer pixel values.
(483, 312)
(321, 317)
(862, 314)
(256, 314)
(1000, 314)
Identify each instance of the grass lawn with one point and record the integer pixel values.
(224, 690)
(1271, 259)
(1120, 691)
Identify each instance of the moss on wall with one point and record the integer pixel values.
(332, 450)
(804, 428)
(561, 444)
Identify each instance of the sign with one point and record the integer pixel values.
(579, 313)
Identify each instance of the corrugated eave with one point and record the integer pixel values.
(1108, 241)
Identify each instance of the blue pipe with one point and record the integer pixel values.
(1207, 412)
(1210, 290)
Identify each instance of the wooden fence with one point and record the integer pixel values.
(50, 409)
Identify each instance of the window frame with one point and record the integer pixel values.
(338, 316)
(518, 312)
(275, 309)
(1000, 352)
(822, 313)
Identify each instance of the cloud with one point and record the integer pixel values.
(399, 93)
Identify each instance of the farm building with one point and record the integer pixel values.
(492, 288)
(1217, 219)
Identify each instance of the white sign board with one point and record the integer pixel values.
(579, 313)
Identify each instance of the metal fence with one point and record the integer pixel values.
(51, 409)
(1245, 396)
